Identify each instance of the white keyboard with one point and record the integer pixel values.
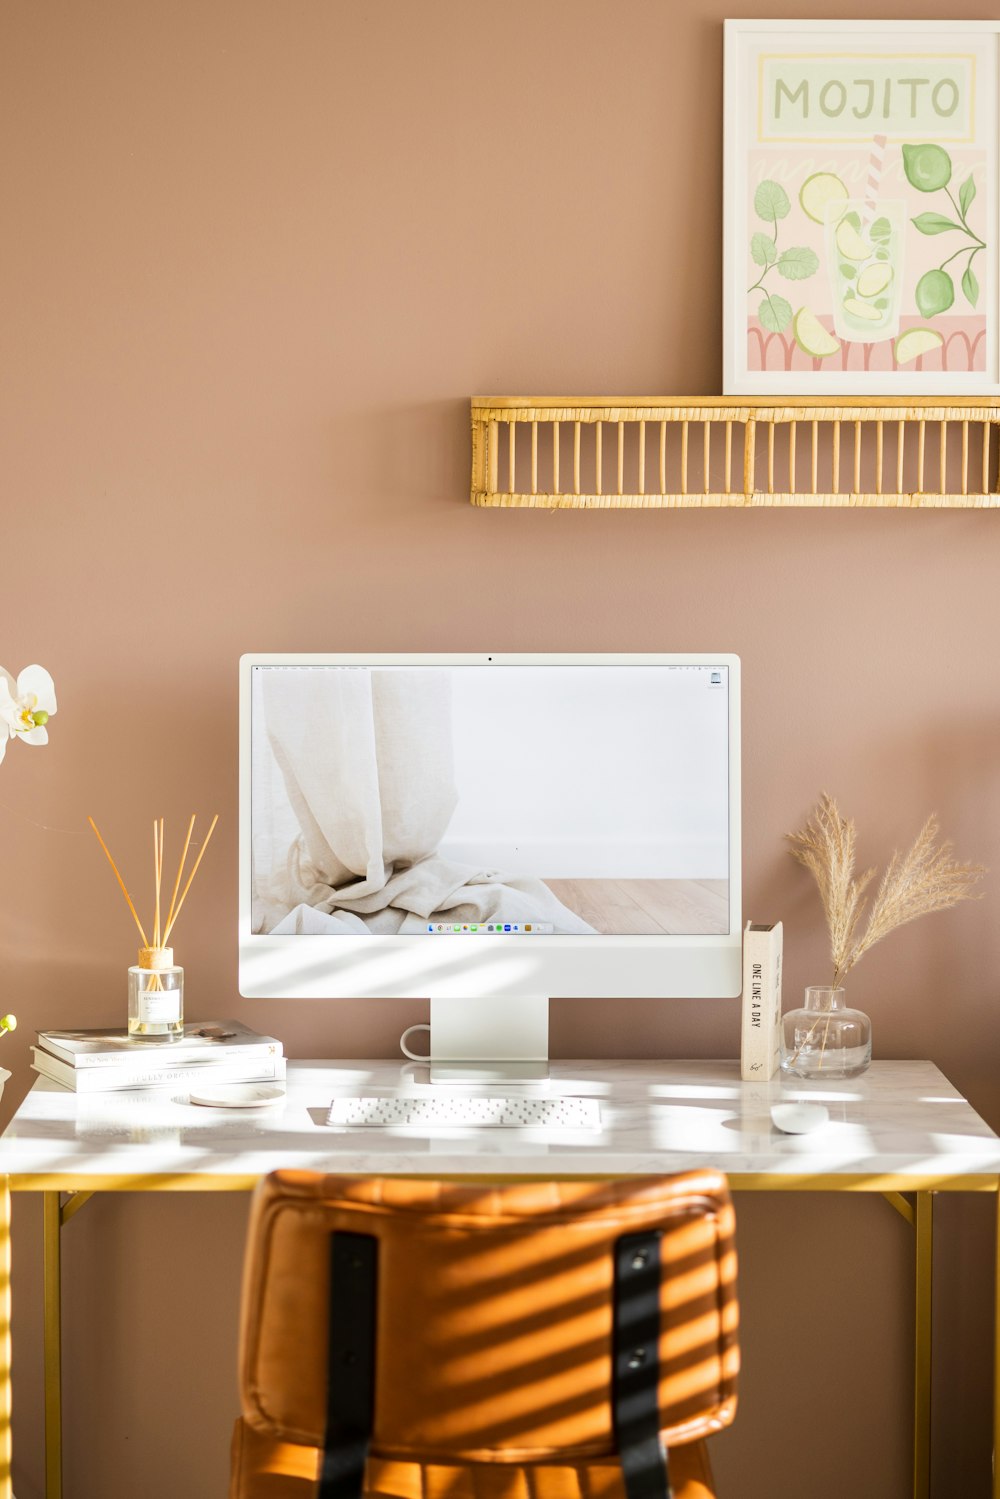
(487, 1112)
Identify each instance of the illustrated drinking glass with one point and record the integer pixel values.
(864, 250)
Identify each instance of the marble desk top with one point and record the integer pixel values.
(901, 1125)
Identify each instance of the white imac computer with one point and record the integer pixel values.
(489, 832)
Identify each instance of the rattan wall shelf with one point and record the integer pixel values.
(620, 453)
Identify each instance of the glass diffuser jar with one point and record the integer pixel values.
(155, 996)
(826, 1038)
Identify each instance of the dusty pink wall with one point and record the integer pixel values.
(255, 260)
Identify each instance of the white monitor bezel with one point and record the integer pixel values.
(413, 967)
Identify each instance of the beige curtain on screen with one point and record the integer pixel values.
(366, 760)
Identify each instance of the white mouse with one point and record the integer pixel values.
(799, 1118)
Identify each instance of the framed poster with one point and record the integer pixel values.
(862, 212)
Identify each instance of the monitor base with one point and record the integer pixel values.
(488, 1074)
(477, 1040)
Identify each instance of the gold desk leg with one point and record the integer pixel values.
(924, 1224)
(51, 1254)
(996, 1355)
(5, 1386)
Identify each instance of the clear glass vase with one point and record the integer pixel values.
(826, 1038)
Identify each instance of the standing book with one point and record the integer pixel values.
(760, 1042)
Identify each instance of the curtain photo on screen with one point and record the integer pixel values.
(530, 800)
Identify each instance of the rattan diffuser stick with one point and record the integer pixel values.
(121, 882)
(175, 911)
(161, 934)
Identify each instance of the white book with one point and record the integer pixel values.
(760, 1041)
(181, 1075)
(203, 1040)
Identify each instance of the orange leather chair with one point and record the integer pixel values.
(416, 1339)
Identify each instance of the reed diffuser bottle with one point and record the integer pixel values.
(155, 982)
(156, 996)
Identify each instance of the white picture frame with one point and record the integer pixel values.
(822, 202)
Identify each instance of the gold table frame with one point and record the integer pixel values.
(910, 1194)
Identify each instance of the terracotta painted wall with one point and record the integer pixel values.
(255, 259)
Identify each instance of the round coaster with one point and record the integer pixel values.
(237, 1095)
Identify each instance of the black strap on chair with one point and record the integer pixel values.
(636, 1366)
(350, 1387)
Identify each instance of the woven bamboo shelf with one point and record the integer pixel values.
(606, 453)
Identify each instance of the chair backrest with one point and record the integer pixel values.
(496, 1333)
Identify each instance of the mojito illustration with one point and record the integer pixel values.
(864, 252)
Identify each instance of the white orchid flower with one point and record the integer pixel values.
(26, 705)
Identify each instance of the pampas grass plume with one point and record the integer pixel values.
(926, 879)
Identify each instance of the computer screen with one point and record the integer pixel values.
(468, 804)
(513, 800)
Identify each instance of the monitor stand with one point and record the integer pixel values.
(478, 1040)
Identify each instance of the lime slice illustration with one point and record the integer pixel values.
(811, 337)
(862, 310)
(916, 341)
(850, 244)
(819, 190)
(874, 279)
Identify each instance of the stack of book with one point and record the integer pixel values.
(102, 1061)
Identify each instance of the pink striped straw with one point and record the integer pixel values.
(876, 162)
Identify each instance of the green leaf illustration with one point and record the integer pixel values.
(935, 293)
(797, 263)
(927, 167)
(763, 249)
(881, 229)
(966, 193)
(970, 285)
(775, 314)
(934, 223)
(847, 270)
(770, 201)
